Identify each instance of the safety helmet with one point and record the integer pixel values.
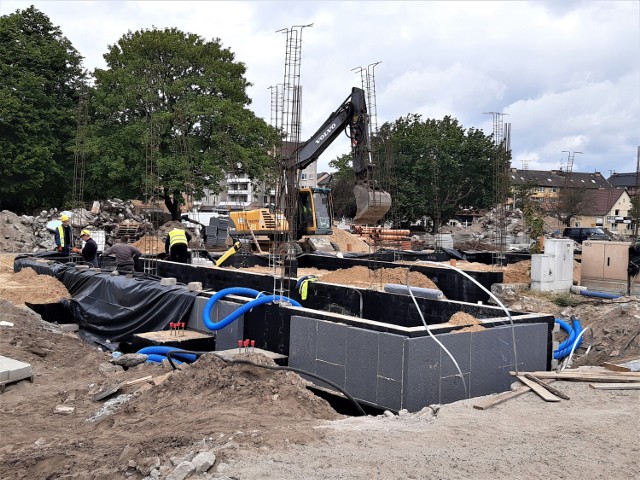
(64, 218)
(85, 232)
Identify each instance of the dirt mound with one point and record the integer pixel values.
(348, 242)
(362, 276)
(472, 324)
(519, 272)
(150, 244)
(28, 286)
(209, 405)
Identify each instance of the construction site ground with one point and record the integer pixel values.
(261, 424)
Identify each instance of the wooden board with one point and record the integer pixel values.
(588, 377)
(616, 386)
(542, 392)
(499, 398)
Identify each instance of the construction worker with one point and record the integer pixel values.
(63, 236)
(176, 245)
(90, 249)
(125, 255)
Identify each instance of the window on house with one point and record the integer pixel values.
(540, 189)
(616, 212)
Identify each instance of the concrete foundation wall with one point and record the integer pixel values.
(396, 372)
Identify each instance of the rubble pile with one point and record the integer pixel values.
(29, 234)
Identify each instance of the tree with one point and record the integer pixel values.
(41, 72)
(440, 167)
(570, 204)
(344, 202)
(171, 110)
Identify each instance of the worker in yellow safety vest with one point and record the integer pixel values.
(176, 245)
(63, 236)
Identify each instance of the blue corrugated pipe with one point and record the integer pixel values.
(161, 351)
(589, 293)
(157, 358)
(564, 349)
(206, 313)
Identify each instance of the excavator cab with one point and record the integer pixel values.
(371, 204)
(314, 211)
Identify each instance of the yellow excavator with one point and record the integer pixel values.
(308, 211)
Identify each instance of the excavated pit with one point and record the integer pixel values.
(369, 342)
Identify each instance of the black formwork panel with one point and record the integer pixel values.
(451, 283)
(391, 308)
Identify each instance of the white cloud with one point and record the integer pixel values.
(567, 73)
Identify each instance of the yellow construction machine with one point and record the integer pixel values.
(308, 211)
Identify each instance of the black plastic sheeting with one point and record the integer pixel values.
(114, 308)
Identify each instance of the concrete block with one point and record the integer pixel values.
(459, 345)
(332, 342)
(330, 371)
(391, 356)
(168, 281)
(13, 370)
(69, 327)
(362, 363)
(194, 286)
(531, 342)
(421, 378)
(389, 393)
(303, 339)
(227, 337)
(452, 388)
(484, 362)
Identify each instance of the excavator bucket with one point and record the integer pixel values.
(371, 204)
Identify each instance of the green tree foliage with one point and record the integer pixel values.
(40, 71)
(174, 101)
(344, 202)
(440, 167)
(570, 204)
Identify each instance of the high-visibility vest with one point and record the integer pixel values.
(177, 237)
(60, 234)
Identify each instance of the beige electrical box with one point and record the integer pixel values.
(604, 266)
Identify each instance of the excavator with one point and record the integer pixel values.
(308, 211)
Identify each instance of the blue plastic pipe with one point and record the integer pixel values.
(564, 349)
(175, 352)
(589, 293)
(157, 358)
(206, 313)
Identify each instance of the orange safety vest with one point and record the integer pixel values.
(177, 237)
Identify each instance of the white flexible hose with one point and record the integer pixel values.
(513, 330)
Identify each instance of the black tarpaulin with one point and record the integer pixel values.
(116, 307)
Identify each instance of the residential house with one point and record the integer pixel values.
(608, 209)
(545, 185)
(627, 181)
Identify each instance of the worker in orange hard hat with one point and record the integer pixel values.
(63, 236)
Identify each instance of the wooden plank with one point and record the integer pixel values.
(615, 368)
(584, 377)
(616, 386)
(548, 387)
(499, 398)
(542, 392)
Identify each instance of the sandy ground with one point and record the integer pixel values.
(261, 424)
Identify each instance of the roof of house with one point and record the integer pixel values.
(599, 202)
(558, 178)
(623, 180)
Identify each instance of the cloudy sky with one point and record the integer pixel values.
(566, 73)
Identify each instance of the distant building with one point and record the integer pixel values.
(627, 181)
(545, 186)
(608, 209)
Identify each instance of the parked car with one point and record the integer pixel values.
(580, 234)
